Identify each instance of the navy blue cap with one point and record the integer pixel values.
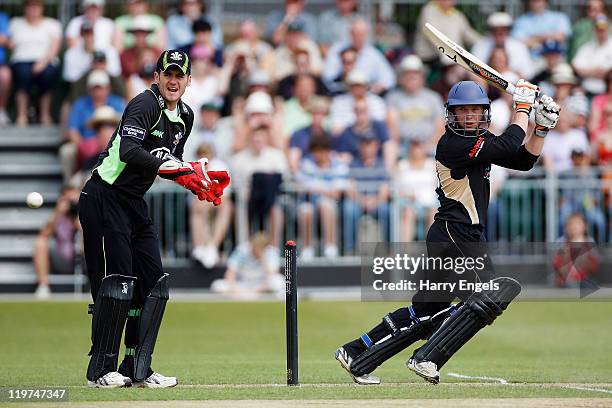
(552, 47)
(175, 58)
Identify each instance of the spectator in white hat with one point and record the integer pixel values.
(124, 24)
(416, 113)
(567, 91)
(564, 81)
(257, 111)
(140, 29)
(500, 24)
(93, 14)
(342, 112)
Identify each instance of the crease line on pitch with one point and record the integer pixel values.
(477, 377)
(571, 387)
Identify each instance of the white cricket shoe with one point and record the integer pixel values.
(426, 369)
(157, 380)
(211, 256)
(330, 251)
(111, 380)
(345, 361)
(4, 118)
(42, 292)
(307, 253)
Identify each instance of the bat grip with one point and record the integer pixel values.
(511, 88)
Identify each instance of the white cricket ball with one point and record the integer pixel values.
(34, 200)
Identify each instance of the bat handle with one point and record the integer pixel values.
(510, 88)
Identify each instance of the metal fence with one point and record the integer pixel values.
(528, 209)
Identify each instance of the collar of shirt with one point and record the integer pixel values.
(162, 103)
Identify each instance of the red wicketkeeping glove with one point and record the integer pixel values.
(200, 169)
(187, 174)
(219, 181)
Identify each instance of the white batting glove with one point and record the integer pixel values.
(546, 116)
(524, 96)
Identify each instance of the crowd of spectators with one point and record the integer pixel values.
(315, 100)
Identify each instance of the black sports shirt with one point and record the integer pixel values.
(463, 166)
(145, 137)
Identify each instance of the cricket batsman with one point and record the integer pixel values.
(128, 284)
(464, 155)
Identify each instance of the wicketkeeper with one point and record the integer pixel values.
(464, 156)
(121, 245)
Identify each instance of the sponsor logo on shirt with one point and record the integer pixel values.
(477, 147)
(158, 133)
(133, 131)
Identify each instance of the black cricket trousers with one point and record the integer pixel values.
(119, 238)
(446, 239)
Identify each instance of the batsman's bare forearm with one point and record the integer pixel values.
(521, 119)
(532, 143)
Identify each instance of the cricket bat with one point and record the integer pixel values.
(467, 60)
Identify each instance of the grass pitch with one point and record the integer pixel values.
(236, 351)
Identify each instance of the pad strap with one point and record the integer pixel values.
(386, 348)
(367, 340)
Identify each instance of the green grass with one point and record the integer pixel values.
(244, 343)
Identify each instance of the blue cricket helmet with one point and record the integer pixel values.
(467, 93)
